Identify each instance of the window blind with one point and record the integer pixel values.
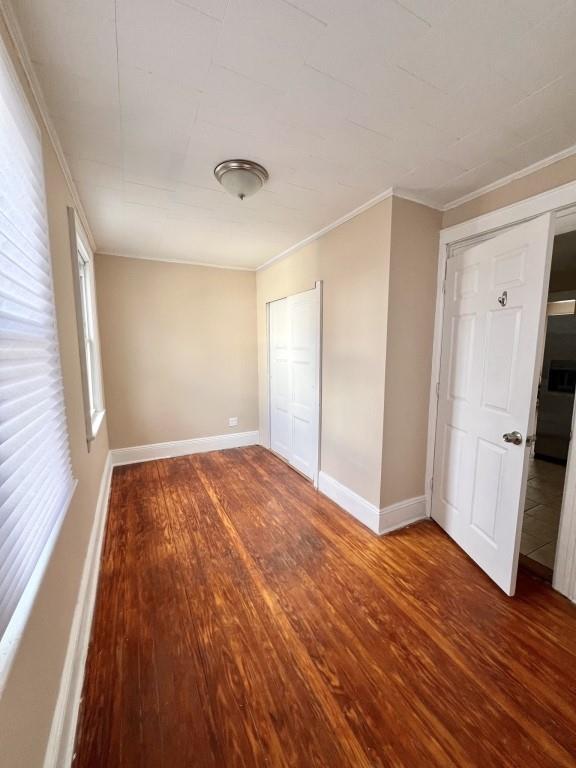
(35, 473)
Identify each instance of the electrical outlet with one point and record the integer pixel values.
(233, 421)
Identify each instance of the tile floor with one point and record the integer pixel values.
(542, 511)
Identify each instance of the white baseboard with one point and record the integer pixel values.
(60, 749)
(356, 505)
(380, 521)
(168, 450)
(402, 513)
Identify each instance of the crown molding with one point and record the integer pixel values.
(390, 192)
(414, 197)
(15, 33)
(168, 260)
(562, 155)
(319, 233)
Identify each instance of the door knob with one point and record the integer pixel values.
(513, 437)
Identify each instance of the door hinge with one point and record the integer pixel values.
(437, 390)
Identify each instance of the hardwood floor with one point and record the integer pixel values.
(243, 619)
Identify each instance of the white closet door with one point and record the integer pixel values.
(295, 380)
(280, 420)
(491, 355)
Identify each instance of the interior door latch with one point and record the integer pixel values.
(531, 439)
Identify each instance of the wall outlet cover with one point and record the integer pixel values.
(233, 421)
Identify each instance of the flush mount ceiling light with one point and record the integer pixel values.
(242, 178)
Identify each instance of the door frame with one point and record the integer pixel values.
(560, 201)
(318, 286)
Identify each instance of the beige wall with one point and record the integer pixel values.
(379, 287)
(410, 331)
(28, 701)
(178, 349)
(562, 172)
(352, 261)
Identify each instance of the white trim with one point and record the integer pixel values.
(550, 160)
(265, 430)
(407, 195)
(564, 576)
(379, 521)
(319, 284)
(175, 260)
(97, 420)
(368, 514)
(59, 752)
(435, 376)
(316, 235)
(10, 640)
(551, 200)
(559, 201)
(13, 27)
(153, 451)
(402, 513)
(414, 197)
(391, 192)
(17, 38)
(87, 317)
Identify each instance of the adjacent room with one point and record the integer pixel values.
(554, 415)
(287, 377)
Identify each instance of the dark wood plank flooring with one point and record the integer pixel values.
(243, 619)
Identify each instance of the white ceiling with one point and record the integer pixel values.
(339, 99)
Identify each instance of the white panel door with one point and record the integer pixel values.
(295, 380)
(280, 384)
(494, 311)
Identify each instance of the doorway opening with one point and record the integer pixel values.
(549, 450)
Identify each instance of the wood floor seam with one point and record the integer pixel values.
(244, 621)
(356, 752)
(425, 624)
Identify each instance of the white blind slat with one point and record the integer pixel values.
(14, 579)
(23, 463)
(24, 525)
(35, 469)
(25, 521)
(14, 265)
(14, 489)
(14, 440)
(31, 249)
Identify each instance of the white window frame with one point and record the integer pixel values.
(87, 327)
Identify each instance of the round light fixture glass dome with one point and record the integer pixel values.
(242, 178)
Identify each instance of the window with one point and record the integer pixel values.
(35, 474)
(83, 268)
